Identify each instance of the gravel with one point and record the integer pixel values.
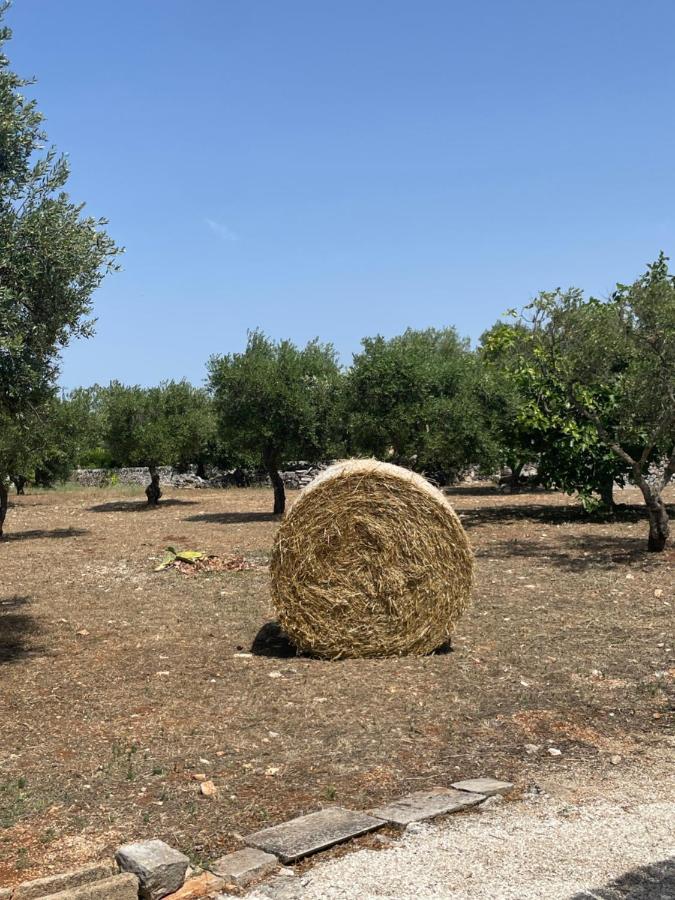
(534, 848)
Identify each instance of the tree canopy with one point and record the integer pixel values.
(52, 259)
(417, 400)
(603, 374)
(276, 402)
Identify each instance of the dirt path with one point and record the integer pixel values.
(613, 838)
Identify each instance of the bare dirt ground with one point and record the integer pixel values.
(118, 684)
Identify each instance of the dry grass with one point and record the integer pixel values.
(119, 684)
(370, 562)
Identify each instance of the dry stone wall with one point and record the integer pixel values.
(296, 476)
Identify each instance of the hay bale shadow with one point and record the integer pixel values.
(272, 641)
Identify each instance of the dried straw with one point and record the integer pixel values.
(370, 561)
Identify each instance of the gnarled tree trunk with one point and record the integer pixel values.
(271, 463)
(19, 482)
(4, 502)
(659, 526)
(153, 491)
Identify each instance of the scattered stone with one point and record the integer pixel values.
(615, 759)
(159, 868)
(553, 751)
(202, 885)
(532, 748)
(208, 789)
(119, 887)
(486, 786)
(52, 884)
(426, 805)
(199, 776)
(243, 866)
(309, 834)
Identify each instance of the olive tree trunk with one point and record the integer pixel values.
(271, 463)
(153, 491)
(4, 502)
(659, 526)
(19, 482)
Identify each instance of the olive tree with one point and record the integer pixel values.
(276, 402)
(168, 425)
(52, 259)
(607, 369)
(416, 400)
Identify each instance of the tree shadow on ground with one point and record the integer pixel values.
(488, 490)
(576, 553)
(272, 641)
(655, 881)
(233, 518)
(37, 533)
(551, 514)
(16, 630)
(139, 505)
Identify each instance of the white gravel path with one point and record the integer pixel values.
(542, 847)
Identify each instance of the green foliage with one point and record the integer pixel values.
(416, 399)
(533, 423)
(52, 258)
(275, 401)
(171, 425)
(601, 374)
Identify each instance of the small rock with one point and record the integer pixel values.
(615, 759)
(199, 776)
(553, 751)
(159, 868)
(532, 748)
(658, 592)
(82, 632)
(208, 789)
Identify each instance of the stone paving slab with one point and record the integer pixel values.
(243, 866)
(119, 887)
(426, 805)
(309, 834)
(486, 786)
(52, 884)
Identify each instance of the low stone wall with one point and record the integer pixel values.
(297, 476)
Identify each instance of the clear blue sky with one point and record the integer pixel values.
(343, 168)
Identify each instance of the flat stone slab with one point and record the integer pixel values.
(52, 884)
(486, 786)
(309, 834)
(243, 866)
(426, 805)
(159, 868)
(119, 887)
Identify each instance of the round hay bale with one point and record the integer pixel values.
(370, 561)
